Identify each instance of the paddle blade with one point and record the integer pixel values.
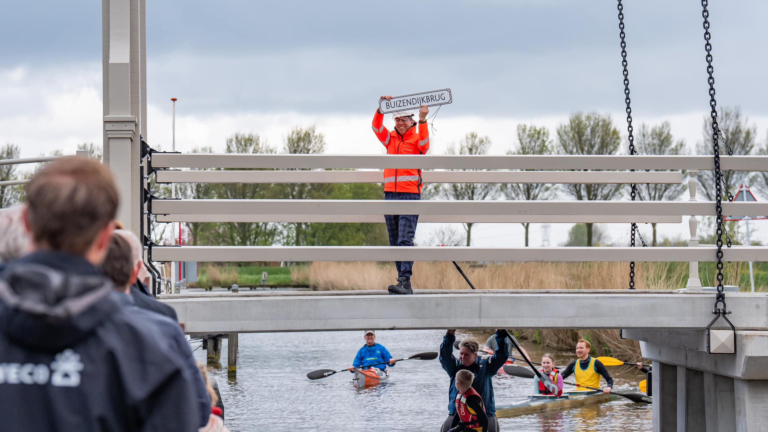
(643, 386)
(610, 361)
(518, 371)
(424, 356)
(456, 344)
(322, 373)
(634, 397)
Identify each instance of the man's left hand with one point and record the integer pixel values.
(392, 362)
(607, 390)
(423, 112)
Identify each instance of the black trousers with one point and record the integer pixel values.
(493, 423)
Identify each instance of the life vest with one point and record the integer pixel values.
(465, 413)
(586, 377)
(415, 141)
(554, 376)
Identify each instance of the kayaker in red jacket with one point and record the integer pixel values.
(402, 184)
(548, 369)
(470, 411)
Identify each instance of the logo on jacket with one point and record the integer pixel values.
(66, 371)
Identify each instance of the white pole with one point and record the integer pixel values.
(749, 243)
(173, 195)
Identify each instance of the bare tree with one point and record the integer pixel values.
(302, 141)
(9, 195)
(198, 231)
(245, 233)
(532, 140)
(740, 136)
(472, 144)
(94, 152)
(589, 134)
(445, 236)
(658, 140)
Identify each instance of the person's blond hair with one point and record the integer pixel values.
(211, 392)
(465, 378)
(471, 345)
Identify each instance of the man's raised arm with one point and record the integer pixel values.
(423, 130)
(381, 132)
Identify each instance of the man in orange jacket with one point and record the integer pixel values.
(402, 184)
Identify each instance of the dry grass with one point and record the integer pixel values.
(363, 275)
(222, 276)
(604, 342)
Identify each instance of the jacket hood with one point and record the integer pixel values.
(47, 308)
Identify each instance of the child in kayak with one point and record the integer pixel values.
(372, 354)
(548, 369)
(470, 412)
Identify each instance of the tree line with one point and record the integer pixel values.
(582, 134)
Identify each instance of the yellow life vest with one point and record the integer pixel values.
(588, 377)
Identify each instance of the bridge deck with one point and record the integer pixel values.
(434, 309)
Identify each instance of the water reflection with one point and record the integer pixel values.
(272, 391)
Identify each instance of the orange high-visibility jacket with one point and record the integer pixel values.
(414, 142)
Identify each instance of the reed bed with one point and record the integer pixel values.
(324, 276)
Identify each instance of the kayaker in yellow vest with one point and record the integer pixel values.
(587, 369)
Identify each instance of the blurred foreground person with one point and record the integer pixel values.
(14, 238)
(138, 291)
(118, 267)
(72, 359)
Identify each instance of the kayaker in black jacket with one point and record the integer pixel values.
(483, 369)
(71, 359)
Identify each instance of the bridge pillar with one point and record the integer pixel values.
(232, 346)
(696, 391)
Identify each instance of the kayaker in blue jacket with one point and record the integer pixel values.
(483, 369)
(372, 354)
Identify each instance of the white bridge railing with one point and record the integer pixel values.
(223, 168)
(24, 161)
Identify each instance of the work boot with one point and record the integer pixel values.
(403, 287)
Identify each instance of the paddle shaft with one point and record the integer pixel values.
(462, 273)
(536, 371)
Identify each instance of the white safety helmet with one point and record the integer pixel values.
(398, 114)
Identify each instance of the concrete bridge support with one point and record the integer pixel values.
(696, 391)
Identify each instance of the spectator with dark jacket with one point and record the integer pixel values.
(139, 293)
(74, 359)
(118, 267)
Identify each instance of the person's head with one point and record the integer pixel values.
(211, 392)
(547, 362)
(464, 379)
(468, 351)
(137, 253)
(71, 206)
(15, 241)
(582, 349)
(118, 264)
(403, 121)
(370, 337)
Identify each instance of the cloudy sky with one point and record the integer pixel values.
(262, 67)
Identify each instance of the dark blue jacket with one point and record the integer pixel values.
(170, 333)
(484, 370)
(142, 299)
(369, 355)
(75, 361)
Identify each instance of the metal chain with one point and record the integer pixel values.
(720, 298)
(630, 129)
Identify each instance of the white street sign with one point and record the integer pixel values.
(414, 101)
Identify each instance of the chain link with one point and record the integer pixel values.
(716, 147)
(630, 130)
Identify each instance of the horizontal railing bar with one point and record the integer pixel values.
(28, 160)
(388, 253)
(422, 219)
(530, 162)
(553, 177)
(456, 208)
(13, 182)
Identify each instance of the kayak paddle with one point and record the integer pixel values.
(525, 373)
(610, 361)
(643, 386)
(322, 373)
(544, 379)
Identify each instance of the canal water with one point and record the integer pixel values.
(272, 392)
